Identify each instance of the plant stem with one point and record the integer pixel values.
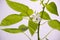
(41, 17)
(43, 23)
(39, 24)
(47, 2)
(47, 34)
(27, 36)
(38, 30)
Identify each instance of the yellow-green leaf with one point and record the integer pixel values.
(33, 0)
(44, 15)
(28, 13)
(51, 7)
(11, 19)
(54, 24)
(12, 30)
(32, 26)
(22, 28)
(17, 6)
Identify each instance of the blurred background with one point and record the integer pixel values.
(5, 10)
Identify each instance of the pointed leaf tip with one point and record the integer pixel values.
(32, 27)
(54, 24)
(45, 15)
(51, 7)
(17, 6)
(22, 28)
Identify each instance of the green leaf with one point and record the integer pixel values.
(11, 19)
(25, 10)
(45, 15)
(32, 26)
(29, 13)
(54, 24)
(17, 6)
(22, 28)
(33, 0)
(12, 30)
(51, 7)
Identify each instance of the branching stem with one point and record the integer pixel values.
(27, 36)
(39, 24)
(47, 34)
(41, 19)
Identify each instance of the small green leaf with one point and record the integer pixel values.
(22, 28)
(45, 15)
(32, 26)
(17, 6)
(28, 13)
(33, 0)
(54, 24)
(12, 30)
(51, 7)
(11, 19)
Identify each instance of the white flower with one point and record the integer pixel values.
(36, 17)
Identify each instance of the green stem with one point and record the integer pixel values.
(39, 24)
(41, 17)
(38, 30)
(40, 20)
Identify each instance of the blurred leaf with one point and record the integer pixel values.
(25, 10)
(33, 0)
(51, 7)
(54, 24)
(32, 26)
(45, 15)
(17, 6)
(28, 13)
(12, 30)
(11, 19)
(22, 28)
(14, 18)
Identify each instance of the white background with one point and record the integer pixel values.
(5, 10)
